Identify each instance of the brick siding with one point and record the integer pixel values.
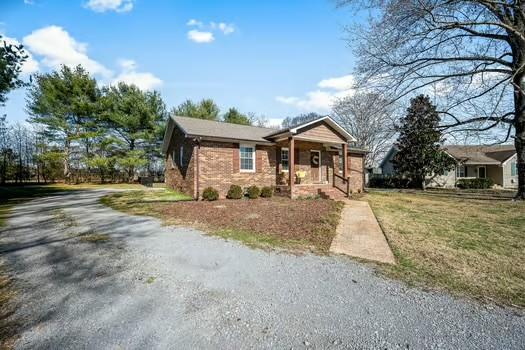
(218, 167)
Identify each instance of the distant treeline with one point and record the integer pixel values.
(81, 131)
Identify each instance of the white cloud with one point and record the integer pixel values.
(30, 65)
(127, 64)
(200, 37)
(205, 34)
(57, 47)
(345, 82)
(194, 22)
(129, 75)
(110, 5)
(226, 28)
(29, 2)
(321, 100)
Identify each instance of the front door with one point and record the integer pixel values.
(315, 164)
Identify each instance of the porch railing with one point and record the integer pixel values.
(341, 183)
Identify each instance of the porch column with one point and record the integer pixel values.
(345, 160)
(291, 164)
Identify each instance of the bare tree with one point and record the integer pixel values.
(370, 119)
(472, 52)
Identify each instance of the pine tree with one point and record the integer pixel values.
(419, 153)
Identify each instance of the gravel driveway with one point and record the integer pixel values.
(151, 287)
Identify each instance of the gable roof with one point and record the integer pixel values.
(211, 129)
(471, 154)
(194, 127)
(478, 154)
(327, 119)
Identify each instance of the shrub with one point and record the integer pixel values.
(235, 192)
(253, 192)
(390, 182)
(210, 194)
(475, 183)
(266, 192)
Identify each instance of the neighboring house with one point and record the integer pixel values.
(203, 153)
(498, 162)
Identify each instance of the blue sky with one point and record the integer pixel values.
(273, 58)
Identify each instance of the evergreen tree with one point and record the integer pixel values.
(419, 154)
(65, 103)
(205, 109)
(235, 117)
(11, 59)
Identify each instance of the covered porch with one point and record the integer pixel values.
(314, 159)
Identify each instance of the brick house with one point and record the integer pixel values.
(202, 153)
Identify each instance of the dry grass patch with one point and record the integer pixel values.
(277, 221)
(472, 247)
(8, 326)
(95, 238)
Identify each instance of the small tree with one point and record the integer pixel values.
(419, 154)
(236, 117)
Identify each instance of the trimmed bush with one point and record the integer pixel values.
(475, 183)
(235, 192)
(210, 194)
(389, 182)
(253, 192)
(266, 192)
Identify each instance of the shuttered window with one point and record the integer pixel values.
(247, 158)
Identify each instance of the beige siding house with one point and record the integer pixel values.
(498, 162)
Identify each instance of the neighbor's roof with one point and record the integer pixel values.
(478, 154)
(214, 129)
(471, 154)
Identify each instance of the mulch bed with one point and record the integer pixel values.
(313, 221)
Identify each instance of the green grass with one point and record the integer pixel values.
(140, 202)
(469, 247)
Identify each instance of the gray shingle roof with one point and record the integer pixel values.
(470, 154)
(215, 129)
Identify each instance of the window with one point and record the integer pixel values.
(173, 155)
(482, 172)
(514, 169)
(247, 157)
(460, 171)
(181, 156)
(284, 159)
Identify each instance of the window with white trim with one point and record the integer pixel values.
(285, 156)
(247, 158)
(341, 161)
(514, 169)
(173, 155)
(181, 156)
(460, 171)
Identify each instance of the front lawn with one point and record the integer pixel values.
(281, 222)
(467, 246)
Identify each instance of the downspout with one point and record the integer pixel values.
(197, 170)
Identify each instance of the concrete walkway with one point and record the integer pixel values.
(359, 234)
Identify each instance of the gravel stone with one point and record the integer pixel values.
(157, 287)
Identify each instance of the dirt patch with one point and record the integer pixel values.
(311, 221)
(302, 224)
